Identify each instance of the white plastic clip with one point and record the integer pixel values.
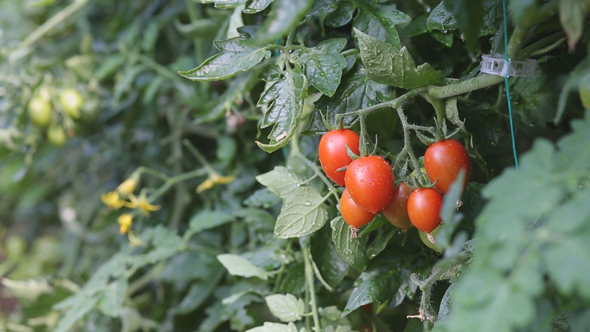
(496, 65)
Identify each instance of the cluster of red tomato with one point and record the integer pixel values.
(369, 182)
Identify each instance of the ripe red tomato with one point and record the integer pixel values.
(424, 208)
(332, 152)
(370, 182)
(443, 161)
(396, 211)
(353, 214)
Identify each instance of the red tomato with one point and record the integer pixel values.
(424, 208)
(443, 161)
(396, 211)
(368, 307)
(353, 214)
(366, 328)
(332, 152)
(370, 182)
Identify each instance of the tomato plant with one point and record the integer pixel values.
(443, 162)
(196, 192)
(353, 215)
(333, 155)
(424, 207)
(396, 211)
(369, 181)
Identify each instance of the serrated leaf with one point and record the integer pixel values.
(353, 251)
(303, 213)
(240, 266)
(284, 100)
(324, 64)
(286, 307)
(285, 15)
(572, 15)
(113, 297)
(356, 92)
(377, 284)
(386, 65)
(274, 327)
(379, 21)
(280, 181)
(441, 19)
(236, 56)
(72, 316)
(381, 241)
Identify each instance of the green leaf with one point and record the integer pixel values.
(379, 21)
(236, 56)
(469, 15)
(224, 4)
(239, 266)
(199, 292)
(324, 64)
(384, 64)
(263, 198)
(353, 251)
(255, 6)
(356, 92)
(376, 284)
(285, 15)
(331, 266)
(342, 15)
(572, 15)
(274, 327)
(286, 307)
(381, 241)
(284, 100)
(303, 213)
(441, 19)
(208, 219)
(280, 181)
(113, 297)
(293, 280)
(72, 316)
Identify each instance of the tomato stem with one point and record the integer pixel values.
(407, 149)
(311, 286)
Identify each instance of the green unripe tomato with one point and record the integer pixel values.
(40, 111)
(71, 101)
(427, 242)
(56, 136)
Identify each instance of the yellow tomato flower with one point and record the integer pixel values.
(214, 179)
(112, 200)
(142, 204)
(125, 220)
(127, 187)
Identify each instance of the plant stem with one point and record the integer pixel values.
(407, 149)
(426, 285)
(173, 180)
(157, 68)
(310, 284)
(52, 23)
(333, 190)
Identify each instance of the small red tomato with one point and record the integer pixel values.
(396, 211)
(370, 182)
(368, 307)
(443, 161)
(353, 215)
(332, 152)
(424, 208)
(366, 328)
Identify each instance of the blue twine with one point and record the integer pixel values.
(506, 72)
